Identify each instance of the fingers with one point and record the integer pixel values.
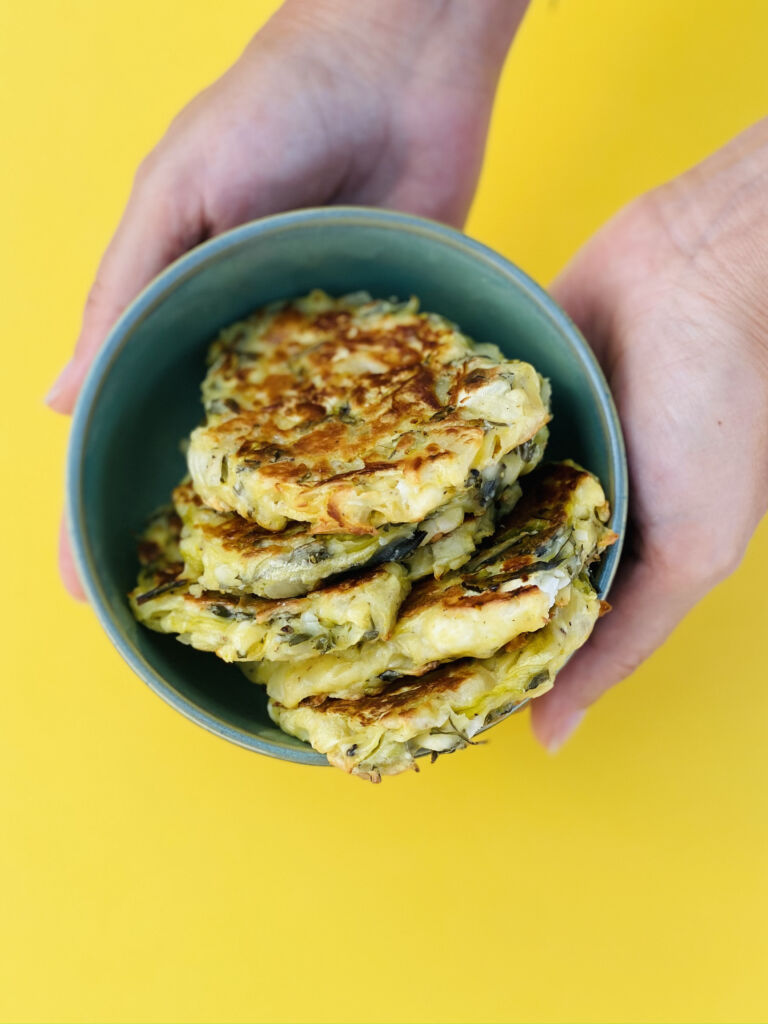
(158, 225)
(160, 222)
(646, 607)
(67, 564)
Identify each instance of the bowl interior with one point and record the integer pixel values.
(143, 397)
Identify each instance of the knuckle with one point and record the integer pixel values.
(729, 560)
(695, 557)
(95, 298)
(165, 190)
(722, 560)
(613, 669)
(154, 176)
(625, 663)
(146, 172)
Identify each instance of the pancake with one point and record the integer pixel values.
(350, 414)
(508, 587)
(225, 552)
(239, 628)
(443, 710)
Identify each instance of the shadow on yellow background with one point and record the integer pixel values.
(151, 872)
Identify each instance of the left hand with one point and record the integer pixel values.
(384, 103)
(673, 296)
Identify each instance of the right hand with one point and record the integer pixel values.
(673, 296)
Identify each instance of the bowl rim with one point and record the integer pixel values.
(220, 247)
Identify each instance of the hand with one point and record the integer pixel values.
(673, 296)
(384, 103)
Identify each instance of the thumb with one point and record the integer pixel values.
(584, 288)
(161, 221)
(621, 642)
(595, 286)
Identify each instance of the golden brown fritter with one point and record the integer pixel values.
(508, 587)
(243, 628)
(350, 414)
(381, 734)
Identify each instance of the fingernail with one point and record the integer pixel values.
(60, 387)
(565, 728)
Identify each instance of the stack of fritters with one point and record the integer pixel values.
(352, 529)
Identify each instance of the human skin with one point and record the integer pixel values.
(673, 297)
(390, 107)
(384, 103)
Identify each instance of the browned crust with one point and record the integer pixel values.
(543, 509)
(428, 592)
(260, 609)
(242, 535)
(149, 552)
(162, 581)
(547, 493)
(232, 531)
(537, 519)
(333, 424)
(403, 694)
(395, 698)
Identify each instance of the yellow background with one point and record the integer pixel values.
(150, 872)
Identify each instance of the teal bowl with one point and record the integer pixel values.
(142, 396)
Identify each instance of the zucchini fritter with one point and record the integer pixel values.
(350, 414)
(381, 734)
(244, 628)
(225, 552)
(509, 587)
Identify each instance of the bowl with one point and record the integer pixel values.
(142, 396)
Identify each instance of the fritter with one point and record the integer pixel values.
(225, 552)
(380, 735)
(244, 628)
(507, 588)
(350, 414)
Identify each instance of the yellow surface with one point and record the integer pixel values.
(150, 872)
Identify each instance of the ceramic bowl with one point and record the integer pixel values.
(142, 397)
